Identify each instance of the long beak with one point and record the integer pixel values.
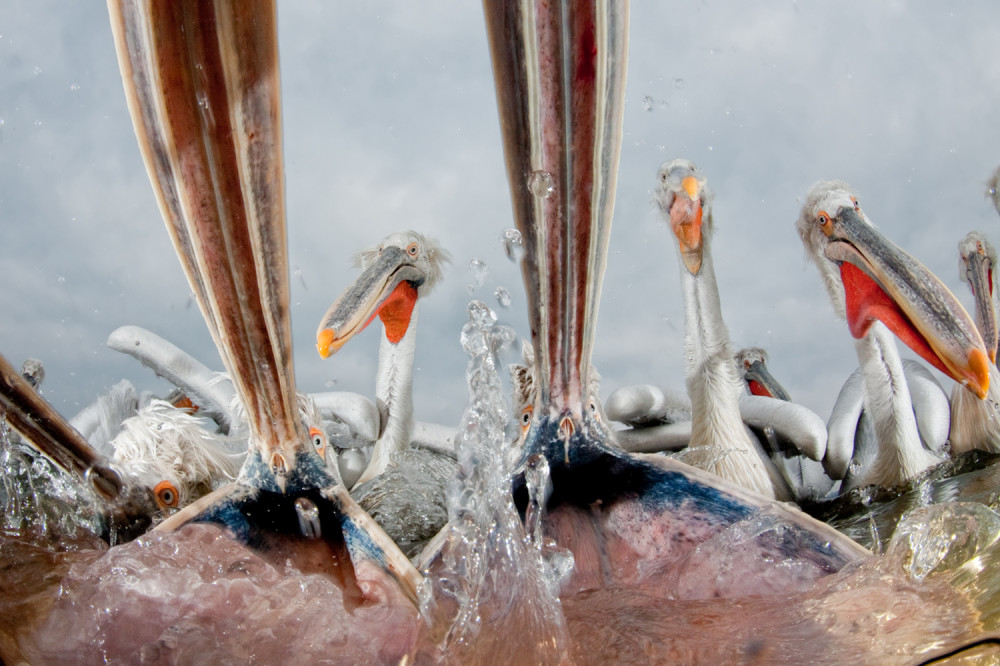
(560, 70)
(387, 288)
(761, 382)
(981, 281)
(882, 282)
(127, 507)
(208, 119)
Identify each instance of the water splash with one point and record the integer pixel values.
(503, 297)
(513, 244)
(39, 501)
(479, 271)
(541, 184)
(489, 584)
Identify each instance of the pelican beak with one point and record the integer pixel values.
(884, 283)
(685, 222)
(761, 382)
(980, 273)
(387, 288)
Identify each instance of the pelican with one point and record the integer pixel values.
(803, 472)
(202, 85)
(719, 442)
(395, 274)
(975, 423)
(879, 288)
(559, 74)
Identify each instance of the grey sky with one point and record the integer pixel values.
(390, 123)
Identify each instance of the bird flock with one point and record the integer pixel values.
(355, 488)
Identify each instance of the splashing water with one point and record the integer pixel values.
(513, 244)
(503, 297)
(479, 271)
(38, 500)
(489, 584)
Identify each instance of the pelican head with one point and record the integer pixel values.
(685, 200)
(404, 266)
(869, 278)
(975, 266)
(752, 362)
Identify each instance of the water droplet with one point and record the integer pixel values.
(38, 123)
(330, 383)
(37, 70)
(74, 87)
(61, 280)
(647, 102)
(503, 296)
(513, 244)
(479, 271)
(678, 83)
(541, 184)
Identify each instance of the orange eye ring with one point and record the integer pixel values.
(825, 222)
(166, 495)
(318, 438)
(413, 249)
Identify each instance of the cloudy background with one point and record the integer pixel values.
(390, 123)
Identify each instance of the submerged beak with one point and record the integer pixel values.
(387, 288)
(884, 283)
(980, 273)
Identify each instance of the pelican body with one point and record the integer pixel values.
(720, 443)
(883, 291)
(975, 423)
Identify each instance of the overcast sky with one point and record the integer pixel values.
(390, 123)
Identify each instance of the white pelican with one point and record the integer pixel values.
(395, 274)
(719, 442)
(877, 287)
(975, 423)
(802, 470)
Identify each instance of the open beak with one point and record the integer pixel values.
(761, 382)
(208, 118)
(387, 289)
(884, 283)
(560, 81)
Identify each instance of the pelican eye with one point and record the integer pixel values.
(166, 495)
(746, 364)
(318, 438)
(857, 206)
(825, 222)
(413, 249)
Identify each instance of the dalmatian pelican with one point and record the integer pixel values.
(803, 472)
(396, 273)
(720, 443)
(882, 291)
(975, 423)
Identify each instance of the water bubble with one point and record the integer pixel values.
(541, 184)
(503, 296)
(479, 271)
(678, 83)
(647, 102)
(513, 244)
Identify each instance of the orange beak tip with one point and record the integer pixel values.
(324, 339)
(690, 185)
(979, 373)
